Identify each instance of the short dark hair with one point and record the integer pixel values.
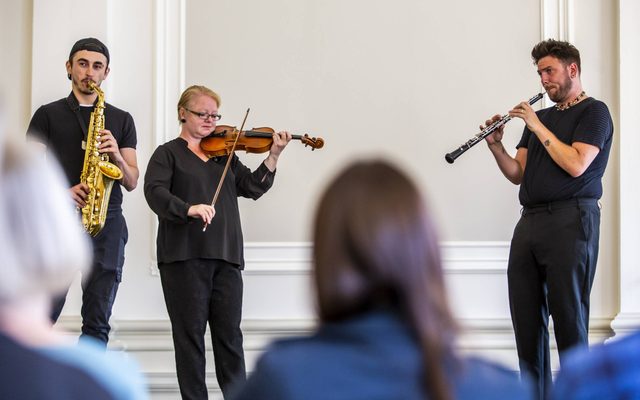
(89, 44)
(563, 51)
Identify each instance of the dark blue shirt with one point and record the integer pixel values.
(609, 371)
(544, 181)
(27, 374)
(373, 357)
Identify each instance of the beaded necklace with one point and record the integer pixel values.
(564, 106)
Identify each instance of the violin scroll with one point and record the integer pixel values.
(314, 143)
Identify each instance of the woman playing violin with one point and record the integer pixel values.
(200, 270)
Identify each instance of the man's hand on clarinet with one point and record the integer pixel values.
(496, 136)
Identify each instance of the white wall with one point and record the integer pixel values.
(15, 65)
(409, 80)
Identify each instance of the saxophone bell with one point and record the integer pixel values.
(110, 170)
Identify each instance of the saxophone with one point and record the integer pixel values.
(97, 172)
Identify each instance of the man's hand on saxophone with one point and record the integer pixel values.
(79, 194)
(109, 145)
(125, 159)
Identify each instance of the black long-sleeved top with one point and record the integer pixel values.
(176, 179)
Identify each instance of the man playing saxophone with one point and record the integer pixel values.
(61, 128)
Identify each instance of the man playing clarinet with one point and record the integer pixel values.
(559, 164)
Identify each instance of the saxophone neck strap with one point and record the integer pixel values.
(75, 108)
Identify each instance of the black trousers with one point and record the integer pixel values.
(101, 284)
(552, 263)
(198, 292)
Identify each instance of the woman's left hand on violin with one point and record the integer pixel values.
(280, 141)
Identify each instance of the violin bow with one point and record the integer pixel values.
(226, 166)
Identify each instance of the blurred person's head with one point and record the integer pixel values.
(41, 240)
(375, 247)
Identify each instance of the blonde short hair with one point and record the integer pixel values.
(193, 91)
(42, 242)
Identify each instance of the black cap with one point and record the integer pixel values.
(89, 44)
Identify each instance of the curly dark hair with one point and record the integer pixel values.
(563, 51)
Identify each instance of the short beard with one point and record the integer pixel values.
(563, 90)
(82, 87)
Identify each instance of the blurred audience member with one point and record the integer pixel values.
(605, 372)
(386, 331)
(43, 247)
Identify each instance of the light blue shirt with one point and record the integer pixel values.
(114, 370)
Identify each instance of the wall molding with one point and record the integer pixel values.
(556, 19)
(140, 336)
(629, 196)
(169, 66)
(135, 336)
(150, 341)
(169, 22)
(556, 22)
(286, 258)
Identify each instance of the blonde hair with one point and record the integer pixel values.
(42, 242)
(193, 91)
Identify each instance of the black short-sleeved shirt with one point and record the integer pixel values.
(544, 181)
(176, 179)
(62, 127)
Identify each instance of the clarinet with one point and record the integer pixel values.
(451, 157)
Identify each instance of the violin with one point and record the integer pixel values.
(257, 140)
(226, 139)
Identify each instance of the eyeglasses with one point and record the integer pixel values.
(205, 116)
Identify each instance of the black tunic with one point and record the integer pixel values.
(176, 179)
